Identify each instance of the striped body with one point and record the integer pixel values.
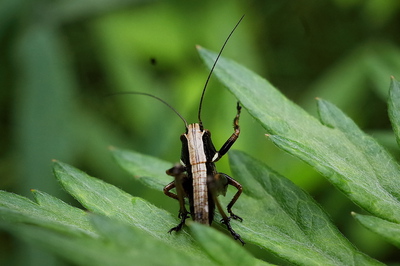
(197, 179)
(194, 157)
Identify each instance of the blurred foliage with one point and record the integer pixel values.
(59, 59)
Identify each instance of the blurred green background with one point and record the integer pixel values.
(60, 58)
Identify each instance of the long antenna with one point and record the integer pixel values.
(152, 96)
(212, 70)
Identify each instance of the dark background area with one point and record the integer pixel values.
(59, 59)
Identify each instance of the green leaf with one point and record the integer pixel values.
(49, 212)
(136, 230)
(285, 220)
(277, 216)
(221, 248)
(333, 148)
(394, 107)
(116, 244)
(377, 160)
(143, 166)
(388, 230)
(105, 199)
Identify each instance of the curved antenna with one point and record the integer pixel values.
(212, 70)
(152, 96)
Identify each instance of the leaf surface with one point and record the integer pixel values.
(388, 230)
(278, 216)
(354, 162)
(105, 199)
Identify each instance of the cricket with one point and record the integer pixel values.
(196, 177)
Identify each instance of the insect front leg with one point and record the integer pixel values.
(178, 172)
(227, 145)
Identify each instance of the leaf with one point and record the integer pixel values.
(332, 148)
(394, 107)
(43, 63)
(142, 166)
(285, 220)
(388, 230)
(49, 212)
(135, 230)
(221, 248)
(116, 244)
(375, 156)
(105, 199)
(278, 216)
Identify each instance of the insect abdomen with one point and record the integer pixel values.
(197, 160)
(200, 194)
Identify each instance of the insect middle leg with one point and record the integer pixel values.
(178, 172)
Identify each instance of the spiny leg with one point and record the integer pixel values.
(238, 186)
(225, 220)
(216, 187)
(178, 172)
(227, 145)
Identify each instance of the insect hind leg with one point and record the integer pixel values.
(226, 220)
(238, 186)
(217, 186)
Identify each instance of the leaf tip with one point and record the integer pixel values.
(55, 162)
(111, 148)
(198, 47)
